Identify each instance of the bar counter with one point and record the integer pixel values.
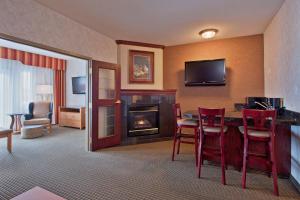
(234, 142)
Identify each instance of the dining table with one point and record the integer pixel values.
(234, 141)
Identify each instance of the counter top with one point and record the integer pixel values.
(237, 116)
(148, 92)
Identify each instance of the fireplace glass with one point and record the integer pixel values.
(143, 120)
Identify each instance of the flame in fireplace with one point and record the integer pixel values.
(141, 122)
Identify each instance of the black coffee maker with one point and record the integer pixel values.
(264, 103)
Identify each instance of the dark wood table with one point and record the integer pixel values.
(234, 142)
(15, 124)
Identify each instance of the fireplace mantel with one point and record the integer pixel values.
(148, 92)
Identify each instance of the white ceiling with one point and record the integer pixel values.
(168, 22)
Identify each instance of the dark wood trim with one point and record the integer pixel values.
(133, 53)
(106, 65)
(295, 183)
(98, 143)
(141, 44)
(147, 92)
(42, 46)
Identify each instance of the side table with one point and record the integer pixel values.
(15, 124)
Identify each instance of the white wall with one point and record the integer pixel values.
(123, 52)
(282, 66)
(29, 20)
(75, 67)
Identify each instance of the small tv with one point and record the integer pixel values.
(205, 73)
(78, 85)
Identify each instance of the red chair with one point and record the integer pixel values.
(179, 137)
(212, 127)
(259, 126)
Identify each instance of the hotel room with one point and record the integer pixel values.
(160, 99)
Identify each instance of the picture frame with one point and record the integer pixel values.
(141, 67)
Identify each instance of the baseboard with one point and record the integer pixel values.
(295, 183)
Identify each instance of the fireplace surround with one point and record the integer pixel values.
(147, 115)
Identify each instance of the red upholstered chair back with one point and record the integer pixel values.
(259, 125)
(262, 120)
(212, 125)
(211, 117)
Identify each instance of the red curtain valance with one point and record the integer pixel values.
(33, 59)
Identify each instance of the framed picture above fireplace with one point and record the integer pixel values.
(141, 66)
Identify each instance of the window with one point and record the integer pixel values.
(18, 87)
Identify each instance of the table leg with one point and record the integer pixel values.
(9, 142)
(12, 122)
(18, 123)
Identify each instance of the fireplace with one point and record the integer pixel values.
(153, 105)
(143, 120)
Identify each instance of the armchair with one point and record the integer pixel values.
(40, 113)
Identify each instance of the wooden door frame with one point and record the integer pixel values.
(93, 87)
(89, 108)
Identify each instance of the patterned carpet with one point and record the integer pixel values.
(60, 164)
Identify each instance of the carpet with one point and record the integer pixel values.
(59, 163)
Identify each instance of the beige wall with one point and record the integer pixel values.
(244, 60)
(29, 20)
(123, 55)
(282, 67)
(282, 55)
(75, 68)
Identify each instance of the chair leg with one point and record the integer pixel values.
(174, 145)
(196, 145)
(268, 155)
(223, 161)
(178, 145)
(200, 154)
(274, 168)
(9, 142)
(245, 163)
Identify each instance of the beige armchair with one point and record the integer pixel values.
(40, 113)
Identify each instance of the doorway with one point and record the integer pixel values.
(96, 138)
(31, 75)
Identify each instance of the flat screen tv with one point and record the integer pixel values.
(205, 72)
(78, 85)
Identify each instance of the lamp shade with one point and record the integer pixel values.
(44, 89)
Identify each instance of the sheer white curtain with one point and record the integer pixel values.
(18, 87)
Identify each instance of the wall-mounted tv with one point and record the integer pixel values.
(78, 85)
(205, 72)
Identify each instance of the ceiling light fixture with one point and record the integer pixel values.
(208, 33)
